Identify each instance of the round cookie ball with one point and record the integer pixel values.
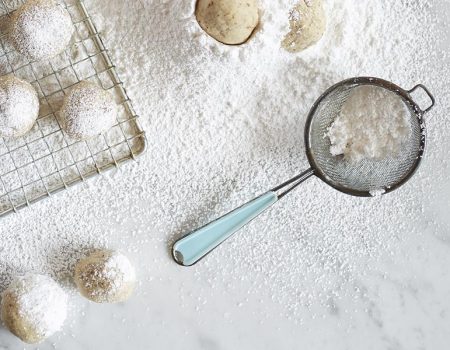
(19, 106)
(33, 308)
(230, 22)
(41, 29)
(307, 24)
(105, 276)
(88, 111)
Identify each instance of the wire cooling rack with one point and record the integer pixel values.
(46, 161)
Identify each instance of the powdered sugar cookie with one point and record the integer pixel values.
(231, 22)
(19, 106)
(105, 276)
(307, 24)
(88, 111)
(41, 29)
(33, 308)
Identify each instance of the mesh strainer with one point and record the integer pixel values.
(361, 178)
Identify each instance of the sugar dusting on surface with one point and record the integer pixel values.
(373, 124)
(224, 125)
(41, 302)
(227, 125)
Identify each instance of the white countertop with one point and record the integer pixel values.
(402, 301)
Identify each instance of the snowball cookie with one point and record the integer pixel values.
(231, 22)
(41, 29)
(33, 308)
(19, 106)
(88, 111)
(307, 24)
(105, 276)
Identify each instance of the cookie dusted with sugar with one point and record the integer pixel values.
(307, 23)
(19, 106)
(41, 29)
(33, 308)
(88, 111)
(230, 22)
(105, 276)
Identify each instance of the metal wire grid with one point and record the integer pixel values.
(46, 161)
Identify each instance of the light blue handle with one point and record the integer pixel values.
(190, 249)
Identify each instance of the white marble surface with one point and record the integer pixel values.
(403, 302)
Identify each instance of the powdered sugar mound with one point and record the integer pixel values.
(19, 106)
(34, 304)
(373, 124)
(88, 111)
(41, 29)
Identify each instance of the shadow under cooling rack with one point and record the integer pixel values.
(46, 161)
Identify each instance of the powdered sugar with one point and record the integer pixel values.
(373, 124)
(238, 132)
(377, 192)
(119, 269)
(41, 29)
(225, 124)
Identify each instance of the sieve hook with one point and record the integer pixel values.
(430, 95)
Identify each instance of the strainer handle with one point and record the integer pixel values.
(430, 95)
(189, 250)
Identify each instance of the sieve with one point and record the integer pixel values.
(363, 178)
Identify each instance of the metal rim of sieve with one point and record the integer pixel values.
(406, 97)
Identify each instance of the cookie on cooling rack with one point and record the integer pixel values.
(19, 106)
(41, 29)
(88, 111)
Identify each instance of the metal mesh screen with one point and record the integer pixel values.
(45, 160)
(366, 175)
